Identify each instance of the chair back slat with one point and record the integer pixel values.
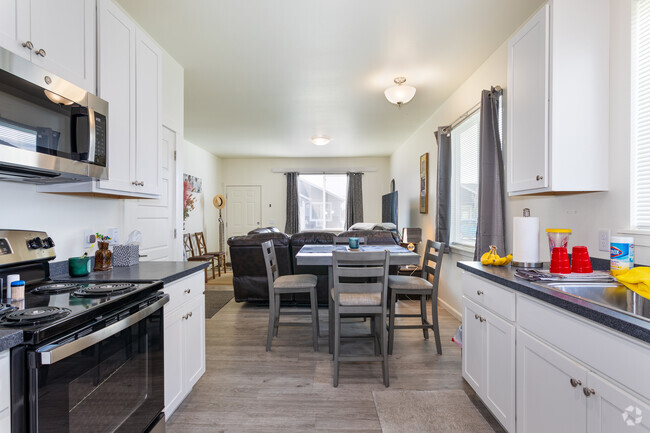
(369, 268)
(200, 243)
(432, 262)
(344, 240)
(189, 247)
(271, 262)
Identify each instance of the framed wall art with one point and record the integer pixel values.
(424, 183)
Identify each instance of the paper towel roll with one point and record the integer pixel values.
(525, 239)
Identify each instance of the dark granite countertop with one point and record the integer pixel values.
(10, 338)
(633, 325)
(144, 271)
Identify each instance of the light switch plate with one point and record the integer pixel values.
(603, 240)
(114, 234)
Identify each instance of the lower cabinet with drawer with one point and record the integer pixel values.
(184, 339)
(548, 370)
(489, 357)
(5, 397)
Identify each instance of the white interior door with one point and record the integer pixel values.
(155, 218)
(243, 209)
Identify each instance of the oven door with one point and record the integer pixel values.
(101, 380)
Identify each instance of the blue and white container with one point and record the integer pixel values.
(621, 254)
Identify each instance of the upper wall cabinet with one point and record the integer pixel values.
(557, 100)
(58, 36)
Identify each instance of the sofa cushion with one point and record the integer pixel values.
(373, 237)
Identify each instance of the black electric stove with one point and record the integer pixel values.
(92, 355)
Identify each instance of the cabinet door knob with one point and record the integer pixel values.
(479, 292)
(476, 316)
(28, 45)
(481, 318)
(41, 52)
(575, 382)
(190, 314)
(588, 391)
(538, 177)
(187, 290)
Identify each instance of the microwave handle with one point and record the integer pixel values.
(93, 135)
(53, 353)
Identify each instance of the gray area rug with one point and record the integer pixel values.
(448, 411)
(215, 300)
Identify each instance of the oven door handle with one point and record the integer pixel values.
(53, 353)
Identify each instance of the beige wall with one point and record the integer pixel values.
(204, 217)
(257, 171)
(584, 213)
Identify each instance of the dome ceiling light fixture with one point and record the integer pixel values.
(399, 94)
(320, 140)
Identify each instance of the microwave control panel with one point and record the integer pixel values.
(100, 139)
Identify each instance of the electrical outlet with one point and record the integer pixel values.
(89, 238)
(603, 240)
(114, 234)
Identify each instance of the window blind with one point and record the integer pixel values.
(640, 149)
(464, 197)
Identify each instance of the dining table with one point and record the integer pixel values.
(321, 255)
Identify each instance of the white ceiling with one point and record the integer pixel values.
(262, 76)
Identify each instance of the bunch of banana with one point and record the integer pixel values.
(492, 258)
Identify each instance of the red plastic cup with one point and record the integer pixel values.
(560, 263)
(580, 261)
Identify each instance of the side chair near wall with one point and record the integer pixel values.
(422, 287)
(360, 289)
(220, 256)
(192, 256)
(279, 285)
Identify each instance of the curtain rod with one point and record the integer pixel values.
(317, 171)
(468, 113)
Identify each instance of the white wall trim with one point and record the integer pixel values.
(451, 310)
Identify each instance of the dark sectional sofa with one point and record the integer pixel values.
(249, 271)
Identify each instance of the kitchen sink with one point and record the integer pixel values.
(612, 295)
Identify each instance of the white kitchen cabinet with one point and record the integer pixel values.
(58, 36)
(489, 360)
(610, 409)
(557, 100)
(130, 79)
(547, 400)
(184, 339)
(5, 396)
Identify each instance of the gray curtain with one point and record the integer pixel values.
(355, 200)
(293, 218)
(443, 186)
(491, 216)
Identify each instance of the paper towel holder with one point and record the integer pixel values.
(516, 264)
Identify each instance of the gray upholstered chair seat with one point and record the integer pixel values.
(298, 281)
(408, 282)
(350, 299)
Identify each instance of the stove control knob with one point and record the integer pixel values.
(48, 243)
(35, 243)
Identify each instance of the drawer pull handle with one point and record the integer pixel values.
(479, 292)
(588, 391)
(187, 290)
(575, 382)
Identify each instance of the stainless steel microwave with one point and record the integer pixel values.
(51, 131)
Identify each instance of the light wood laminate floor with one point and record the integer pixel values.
(246, 389)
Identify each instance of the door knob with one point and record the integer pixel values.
(476, 316)
(575, 382)
(479, 292)
(28, 45)
(482, 319)
(538, 177)
(588, 391)
(41, 52)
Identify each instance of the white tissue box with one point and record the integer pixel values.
(126, 255)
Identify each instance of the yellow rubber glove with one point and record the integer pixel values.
(638, 280)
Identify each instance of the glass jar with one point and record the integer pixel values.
(103, 257)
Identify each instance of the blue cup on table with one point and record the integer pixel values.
(353, 243)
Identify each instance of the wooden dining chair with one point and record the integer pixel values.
(220, 256)
(360, 289)
(192, 255)
(424, 285)
(279, 285)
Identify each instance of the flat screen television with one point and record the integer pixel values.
(389, 208)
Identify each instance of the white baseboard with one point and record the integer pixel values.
(457, 314)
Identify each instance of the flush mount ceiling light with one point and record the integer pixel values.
(320, 140)
(399, 94)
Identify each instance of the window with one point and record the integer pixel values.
(322, 199)
(640, 149)
(464, 181)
